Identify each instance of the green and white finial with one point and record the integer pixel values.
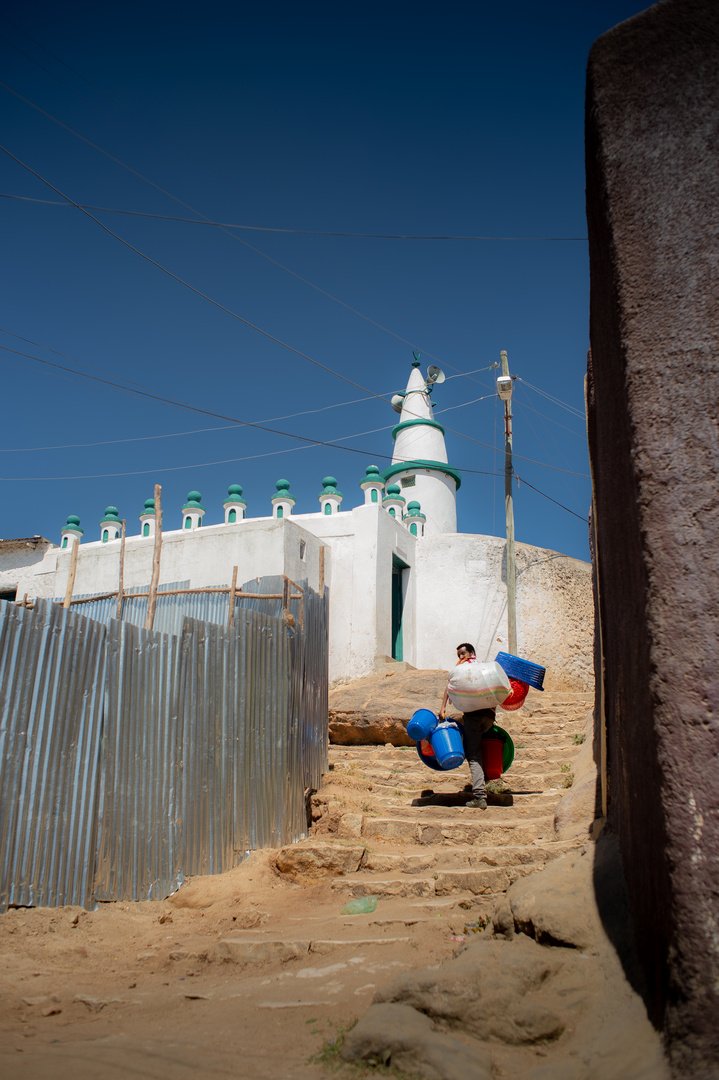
(71, 533)
(415, 519)
(373, 485)
(235, 506)
(193, 511)
(393, 502)
(283, 501)
(330, 498)
(110, 524)
(147, 518)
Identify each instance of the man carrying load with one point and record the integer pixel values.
(465, 690)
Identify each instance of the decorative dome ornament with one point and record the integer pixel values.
(415, 519)
(193, 511)
(283, 501)
(373, 485)
(330, 498)
(110, 524)
(71, 533)
(147, 518)
(235, 506)
(393, 502)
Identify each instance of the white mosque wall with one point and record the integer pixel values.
(204, 556)
(436, 494)
(462, 596)
(362, 543)
(454, 586)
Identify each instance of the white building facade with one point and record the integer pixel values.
(402, 581)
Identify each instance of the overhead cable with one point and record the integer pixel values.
(277, 229)
(181, 202)
(562, 404)
(198, 292)
(544, 494)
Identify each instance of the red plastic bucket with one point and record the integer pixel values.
(492, 758)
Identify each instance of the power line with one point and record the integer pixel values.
(570, 408)
(208, 412)
(272, 228)
(131, 113)
(579, 434)
(204, 296)
(519, 456)
(519, 479)
(92, 367)
(169, 194)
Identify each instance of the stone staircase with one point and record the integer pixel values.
(420, 841)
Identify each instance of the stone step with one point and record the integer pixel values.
(383, 861)
(541, 801)
(539, 810)
(552, 753)
(489, 880)
(469, 829)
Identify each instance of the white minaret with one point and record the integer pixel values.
(419, 464)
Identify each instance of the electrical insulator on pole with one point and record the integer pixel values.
(504, 392)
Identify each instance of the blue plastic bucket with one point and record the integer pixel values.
(446, 742)
(422, 725)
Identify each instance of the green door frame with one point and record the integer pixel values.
(398, 566)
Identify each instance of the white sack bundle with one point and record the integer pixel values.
(476, 685)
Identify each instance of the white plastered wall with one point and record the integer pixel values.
(462, 596)
(203, 556)
(361, 544)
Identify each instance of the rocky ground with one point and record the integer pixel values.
(259, 973)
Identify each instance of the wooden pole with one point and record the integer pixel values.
(73, 571)
(152, 603)
(121, 580)
(233, 587)
(285, 598)
(509, 514)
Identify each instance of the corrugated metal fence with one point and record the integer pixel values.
(131, 759)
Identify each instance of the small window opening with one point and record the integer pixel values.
(64, 541)
(391, 511)
(303, 548)
(280, 511)
(188, 522)
(373, 495)
(232, 516)
(413, 528)
(408, 481)
(328, 508)
(105, 536)
(146, 529)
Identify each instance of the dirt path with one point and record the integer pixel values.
(254, 970)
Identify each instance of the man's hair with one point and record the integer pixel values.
(467, 646)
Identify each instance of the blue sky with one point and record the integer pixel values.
(398, 119)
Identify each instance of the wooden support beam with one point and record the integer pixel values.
(71, 578)
(233, 589)
(155, 559)
(121, 580)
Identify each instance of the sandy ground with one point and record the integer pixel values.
(140, 990)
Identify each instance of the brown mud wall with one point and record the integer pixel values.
(653, 388)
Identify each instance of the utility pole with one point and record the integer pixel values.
(504, 389)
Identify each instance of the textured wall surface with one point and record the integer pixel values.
(462, 596)
(653, 213)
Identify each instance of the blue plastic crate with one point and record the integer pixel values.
(516, 668)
